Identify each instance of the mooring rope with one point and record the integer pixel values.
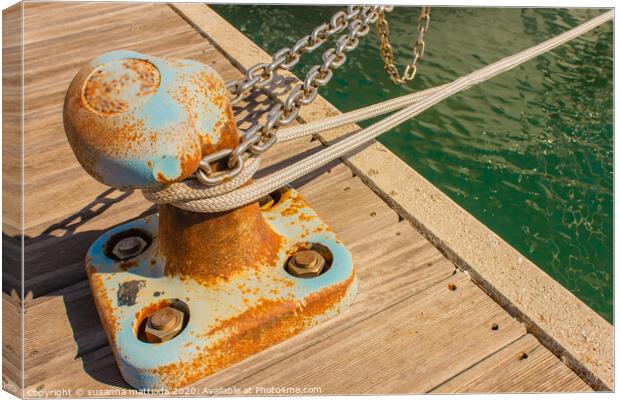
(361, 114)
(192, 196)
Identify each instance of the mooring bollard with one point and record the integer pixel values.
(184, 294)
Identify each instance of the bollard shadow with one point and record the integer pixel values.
(55, 268)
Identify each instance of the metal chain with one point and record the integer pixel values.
(260, 75)
(261, 137)
(383, 31)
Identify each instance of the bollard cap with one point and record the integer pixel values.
(135, 121)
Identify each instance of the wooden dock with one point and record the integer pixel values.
(419, 323)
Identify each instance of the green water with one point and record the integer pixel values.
(528, 153)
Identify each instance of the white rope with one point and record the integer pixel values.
(190, 200)
(191, 189)
(311, 128)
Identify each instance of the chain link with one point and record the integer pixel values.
(383, 31)
(261, 137)
(286, 58)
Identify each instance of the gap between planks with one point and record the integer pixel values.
(523, 366)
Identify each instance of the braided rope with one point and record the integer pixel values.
(191, 189)
(358, 115)
(180, 193)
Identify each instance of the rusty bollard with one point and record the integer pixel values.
(184, 294)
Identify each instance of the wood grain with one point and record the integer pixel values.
(12, 349)
(410, 347)
(523, 366)
(406, 331)
(12, 120)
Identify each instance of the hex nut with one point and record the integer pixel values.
(164, 324)
(129, 247)
(306, 264)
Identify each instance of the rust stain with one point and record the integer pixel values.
(209, 87)
(145, 312)
(105, 96)
(209, 247)
(305, 217)
(229, 129)
(261, 326)
(93, 141)
(190, 162)
(127, 264)
(101, 125)
(105, 307)
(296, 203)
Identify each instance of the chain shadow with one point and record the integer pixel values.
(254, 108)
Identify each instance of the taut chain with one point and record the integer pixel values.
(261, 137)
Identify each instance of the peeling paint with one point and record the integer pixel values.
(128, 292)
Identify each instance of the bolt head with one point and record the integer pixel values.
(129, 247)
(164, 324)
(163, 319)
(306, 264)
(306, 258)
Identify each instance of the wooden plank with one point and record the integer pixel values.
(410, 347)
(12, 332)
(58, 330)
(11, 120)
(12, 349)
(76, 19)
(523, 366)
(38, 76)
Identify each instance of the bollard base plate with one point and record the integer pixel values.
(227, 320)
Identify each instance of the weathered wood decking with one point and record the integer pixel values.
(407, 332)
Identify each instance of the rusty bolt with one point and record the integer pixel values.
(129, 247)
(164, 324)
(306, 264)
(163, 319)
